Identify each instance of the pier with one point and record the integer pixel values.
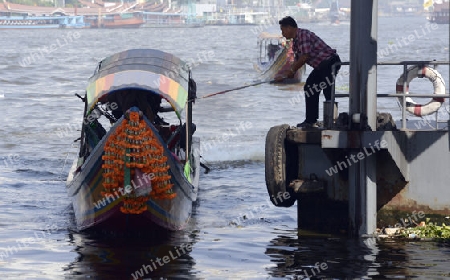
(363, 170)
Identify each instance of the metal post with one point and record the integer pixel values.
(405, 84)
(363, 66)
(437, 120)
(363, 59)
(189, 121)
(330, 116)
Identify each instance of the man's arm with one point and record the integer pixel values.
(299, 63)
(294, 67)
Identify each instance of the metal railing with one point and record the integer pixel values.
(403, 95)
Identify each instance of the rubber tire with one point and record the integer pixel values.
(275, 166)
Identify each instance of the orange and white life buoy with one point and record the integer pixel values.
(438, 85)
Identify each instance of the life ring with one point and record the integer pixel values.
(276, 159)
(438, 85)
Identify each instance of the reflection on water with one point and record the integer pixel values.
(292, 257)
(132, 256)
(341, 258)
(309, 256)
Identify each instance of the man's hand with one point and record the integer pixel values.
(284, 75)
(279, 78)
(289, 73)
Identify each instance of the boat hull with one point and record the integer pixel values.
(440, 13)
(122, 25)
(96, 211)
(172, 25)
(41, 22)
(43, 26)
(116, 22)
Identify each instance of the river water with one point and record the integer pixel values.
(235, 233)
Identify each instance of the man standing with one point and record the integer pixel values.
(312, 50)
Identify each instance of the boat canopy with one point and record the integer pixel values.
(267, 35)
(147, 69)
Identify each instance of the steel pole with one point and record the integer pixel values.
(363, 66)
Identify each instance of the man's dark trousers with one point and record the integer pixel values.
(321, 78)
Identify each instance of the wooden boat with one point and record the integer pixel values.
(275, 57)
(142, 172)
(440, 13)
(41, 22)
(123, 20)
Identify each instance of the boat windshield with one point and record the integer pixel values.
(270, 46)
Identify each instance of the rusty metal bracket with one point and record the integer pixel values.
(311, 185)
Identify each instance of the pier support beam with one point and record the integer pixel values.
(363, 77)
(363, 59)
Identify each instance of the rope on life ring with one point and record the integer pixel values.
(438, 85)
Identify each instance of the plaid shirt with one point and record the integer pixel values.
(308, 42)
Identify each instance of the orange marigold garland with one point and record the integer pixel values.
(133, 145)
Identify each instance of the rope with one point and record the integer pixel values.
(228, 90)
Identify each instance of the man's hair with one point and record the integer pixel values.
(288, 21)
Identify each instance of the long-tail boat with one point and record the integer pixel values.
(138, 162)
(275, 57)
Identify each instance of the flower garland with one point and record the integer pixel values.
(133, 145)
